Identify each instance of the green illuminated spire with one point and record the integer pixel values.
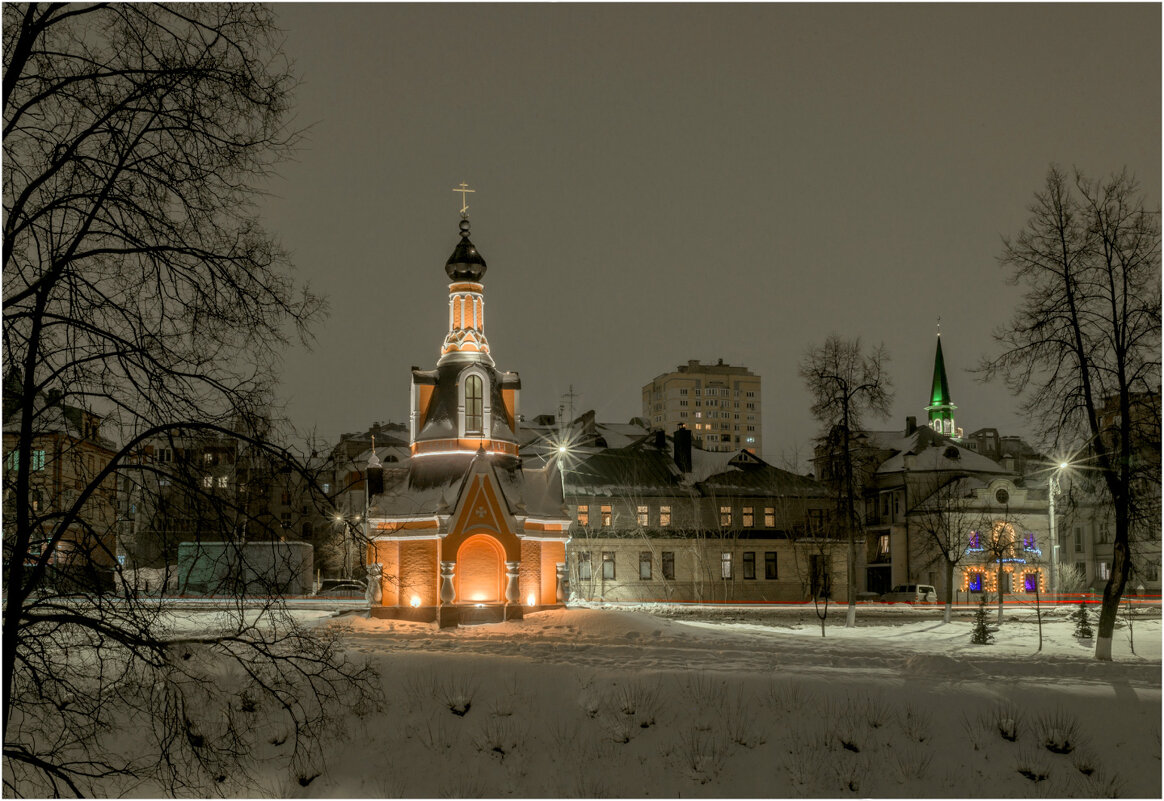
(941, 408)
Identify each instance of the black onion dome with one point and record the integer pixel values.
(466, 263)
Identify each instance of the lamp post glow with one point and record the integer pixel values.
(1052, 491)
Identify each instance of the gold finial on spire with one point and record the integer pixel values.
(373, 443)
(464, 190)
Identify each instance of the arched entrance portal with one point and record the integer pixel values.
(480, 575)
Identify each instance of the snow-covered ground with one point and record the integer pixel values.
(598, 702)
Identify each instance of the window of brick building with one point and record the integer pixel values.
(770, 565)
(584, 515)
(669, 565)
(607, 517)
(725, 515)
(664, 515)
(749, 565)
(584, 566)
(608, 564)
(749, 517)
(725, 564)
(641, 515)
(644, 565)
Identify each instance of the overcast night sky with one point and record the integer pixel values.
(661, 183)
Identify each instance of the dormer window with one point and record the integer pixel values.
(474, 406)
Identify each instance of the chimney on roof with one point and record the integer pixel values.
(661, 439)
(910, 425)
(683, 449)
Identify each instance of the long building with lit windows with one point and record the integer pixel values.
(460, 530)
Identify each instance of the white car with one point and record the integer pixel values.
(911, 593)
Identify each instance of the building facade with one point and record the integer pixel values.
(719, 403)
(66, 456)
(658, 520)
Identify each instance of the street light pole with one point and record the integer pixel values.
(1052, 491)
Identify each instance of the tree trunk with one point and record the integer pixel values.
(998, 586)
(949, 591)
(1114, 589)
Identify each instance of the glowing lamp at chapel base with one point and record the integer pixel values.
(414, 602)
(531, 600)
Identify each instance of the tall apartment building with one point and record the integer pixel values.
(719, 403)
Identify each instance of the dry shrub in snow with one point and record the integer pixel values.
(388, 785)
(740, 721)
(500, 737)
(701, 753)
(437, 735)
(461, 785)
(910, 761)
(587, 783)
(786, 697)
(851, 771)
(619, 728)
(803, 763)
(419, 685)
(564, 736)
(456, 692)
(1058, 731)
(1006, 719)
(916, 722)
(844, 721)
(978, 732)
(636, 700)
(508, 698)
(705, 690)
(877, 711)
(1032, 764)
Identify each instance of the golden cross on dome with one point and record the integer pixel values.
(464, 190)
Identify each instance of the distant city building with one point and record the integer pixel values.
(719, 403)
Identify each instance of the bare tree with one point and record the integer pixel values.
(1084, 345)
(998, 545)
(141, 294)
(846, 384)
(946, 521)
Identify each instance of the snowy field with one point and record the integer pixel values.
(616, 703)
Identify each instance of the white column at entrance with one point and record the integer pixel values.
(511, 572)
(448, 592)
